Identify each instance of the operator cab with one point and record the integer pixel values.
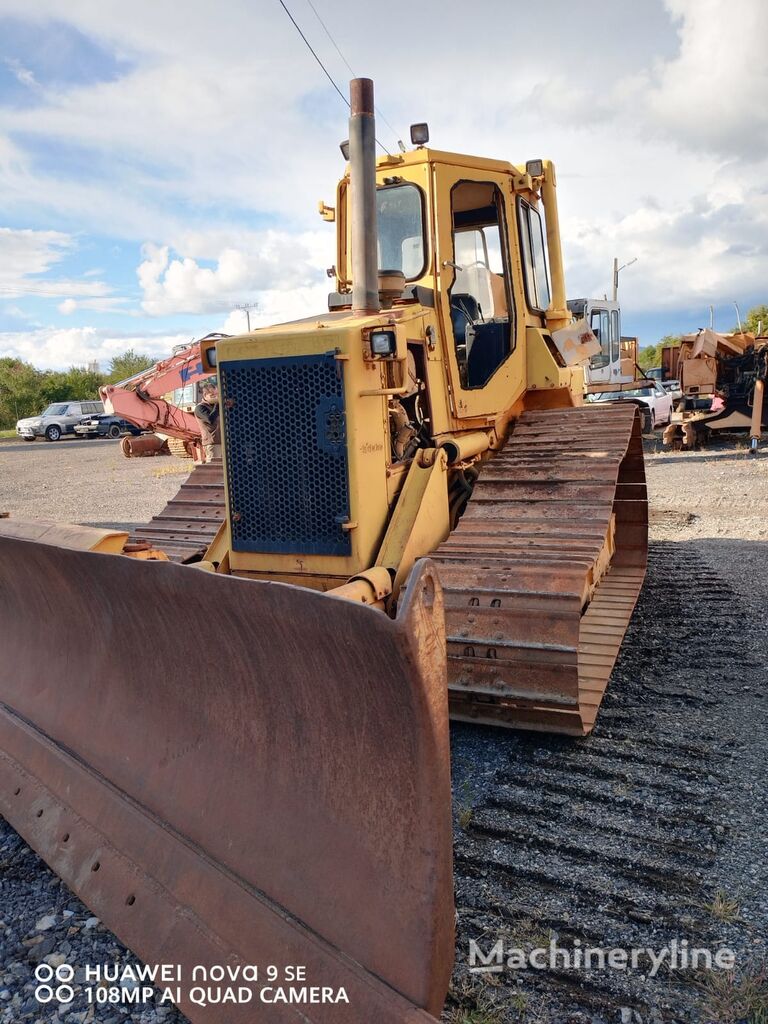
(604, 320)
(481, 303)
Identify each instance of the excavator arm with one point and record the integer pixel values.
(140, 399)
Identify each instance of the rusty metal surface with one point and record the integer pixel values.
(282, 796)
(190, 520)
(531, 642)
(143, 446)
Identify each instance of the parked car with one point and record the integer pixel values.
(651, 397)
(674, 390)
(655, 373)
(58, 419)
(105, 425)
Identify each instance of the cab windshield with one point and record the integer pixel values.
(54, 410)
(400, 215)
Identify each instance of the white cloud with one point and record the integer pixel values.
(26, 251)
(23, 75)
(25, 254)
(709, 94)
(264, 264)
(277, 306)
(59, 348)
(713, 96)
(112, 304)
(710, 249)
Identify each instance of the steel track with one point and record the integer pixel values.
(189, 521)
(543, 571)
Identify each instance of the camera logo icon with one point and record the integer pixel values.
(53, 983)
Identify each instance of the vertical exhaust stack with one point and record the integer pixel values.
(362, 159)
(557, 315)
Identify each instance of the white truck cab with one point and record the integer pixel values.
(614, 363)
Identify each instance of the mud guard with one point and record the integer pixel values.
(277, 794)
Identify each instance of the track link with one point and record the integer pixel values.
(190, 520)
(543, 571)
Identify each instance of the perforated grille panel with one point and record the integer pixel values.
(286, 454)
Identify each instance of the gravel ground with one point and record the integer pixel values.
(653, 829)
(714, 492)
(88, 481)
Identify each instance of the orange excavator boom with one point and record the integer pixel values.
(140, 398)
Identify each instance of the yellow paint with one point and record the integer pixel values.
(390, 519)
(420, 520)
(543, 371)
(77, 538)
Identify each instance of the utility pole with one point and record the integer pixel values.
(246, 308)
(738, 317)
(616, 269)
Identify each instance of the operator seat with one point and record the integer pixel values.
(464, 311)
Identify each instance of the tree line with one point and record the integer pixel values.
(26, 391)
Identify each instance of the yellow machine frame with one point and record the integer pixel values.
(532, 376)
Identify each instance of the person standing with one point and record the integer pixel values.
(207, 414)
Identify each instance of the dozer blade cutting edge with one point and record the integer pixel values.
(278, 795)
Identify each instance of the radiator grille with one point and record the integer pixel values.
(286, 454)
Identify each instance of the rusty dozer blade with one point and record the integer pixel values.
(279, 794)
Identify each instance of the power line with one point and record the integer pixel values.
(319, 61)
(333, 41)
(347, 64)
(309, 47)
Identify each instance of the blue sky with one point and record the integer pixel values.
(155, 171)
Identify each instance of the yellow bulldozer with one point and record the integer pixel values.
(419, 516)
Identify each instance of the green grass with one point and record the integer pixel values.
(733, 998)
(475, 1017)
(7, 433)
(723, 907)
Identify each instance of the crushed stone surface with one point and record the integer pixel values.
(653, 829)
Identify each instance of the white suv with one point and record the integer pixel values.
(58, 419)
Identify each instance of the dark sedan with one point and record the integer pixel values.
(105, 426)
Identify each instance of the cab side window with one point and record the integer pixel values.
(615, 337)
(482, 308)
(600, 326)
(534, 253)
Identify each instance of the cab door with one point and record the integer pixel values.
(604, 321)
(483, 331)
(599, 320)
